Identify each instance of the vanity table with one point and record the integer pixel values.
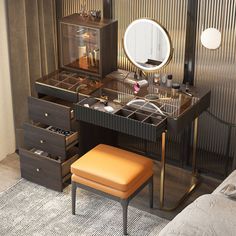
(88, 101)
(136, 115)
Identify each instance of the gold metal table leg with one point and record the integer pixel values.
(194, 176)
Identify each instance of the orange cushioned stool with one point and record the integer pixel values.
(114, 173)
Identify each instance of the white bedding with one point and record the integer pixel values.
(209, 215)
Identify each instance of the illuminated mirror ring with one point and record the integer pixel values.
(147, 45)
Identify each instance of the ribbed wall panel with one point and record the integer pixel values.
(73, 6)
(216, 70)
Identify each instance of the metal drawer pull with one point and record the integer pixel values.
(46, 114)
(42, 141)
(37, 169)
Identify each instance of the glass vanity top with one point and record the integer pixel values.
(114, 93)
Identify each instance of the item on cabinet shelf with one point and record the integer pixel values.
(39, 152)
(157, 79)
(169, 81)
(175, 89)
(187, 87)
(142, 83)
(82, 51)
(81, 87)
(43, 153)
(91, 60)
(109, 109)
(60, 131)
(187, 93)
(136, 87)
(95, 14)
(96, 56)
(164, 79)
(151, 97)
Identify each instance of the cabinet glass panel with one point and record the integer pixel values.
(80, 47)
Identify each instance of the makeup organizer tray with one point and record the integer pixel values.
(67, 85)
(136, 121)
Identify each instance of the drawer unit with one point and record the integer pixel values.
(46, 171)
(40, 136)
(52, 111)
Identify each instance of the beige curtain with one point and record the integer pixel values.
(33, 51)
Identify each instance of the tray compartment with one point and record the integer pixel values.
(120, 123)
(123, 112)
(137, 116)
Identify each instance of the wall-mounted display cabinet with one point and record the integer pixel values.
(87, 45)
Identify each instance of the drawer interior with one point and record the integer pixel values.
(71, 137)
(72, 153)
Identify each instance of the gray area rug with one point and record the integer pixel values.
(29, 209)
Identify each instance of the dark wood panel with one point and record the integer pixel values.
(45, 140)
(49, 113)
(65, 167)
(40, 170)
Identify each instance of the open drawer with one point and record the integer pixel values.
(52, 111)
(44, 170)
(52, 140)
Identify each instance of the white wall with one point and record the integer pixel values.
(7, 133)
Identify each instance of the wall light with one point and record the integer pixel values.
(211, 38)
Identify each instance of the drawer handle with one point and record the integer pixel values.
(37, 169)
(46, 114)
(42, 141)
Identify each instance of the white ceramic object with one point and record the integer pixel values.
(211, 38)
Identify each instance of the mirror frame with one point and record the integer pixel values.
(167, 37)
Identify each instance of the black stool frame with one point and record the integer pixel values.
(124, 202)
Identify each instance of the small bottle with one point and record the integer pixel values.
(169, 81)
(163, 79)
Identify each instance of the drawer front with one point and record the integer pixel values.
(49, 113)
(45, 140)
(40, 170)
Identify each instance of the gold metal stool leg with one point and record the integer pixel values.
(195, 181)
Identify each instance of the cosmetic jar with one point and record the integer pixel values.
(175, 89)
(169, 81)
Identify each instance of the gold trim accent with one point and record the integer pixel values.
(195, 179)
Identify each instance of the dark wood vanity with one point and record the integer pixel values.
(88, 101)
(88, 46)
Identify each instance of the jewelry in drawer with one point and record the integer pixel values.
(41, 168)
(52, 140)
(52, 111)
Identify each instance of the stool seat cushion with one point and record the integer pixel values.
(109, 190)
(113, 167)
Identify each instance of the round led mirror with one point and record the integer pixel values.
(147, 45)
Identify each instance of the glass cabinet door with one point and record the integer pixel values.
(80, 48)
